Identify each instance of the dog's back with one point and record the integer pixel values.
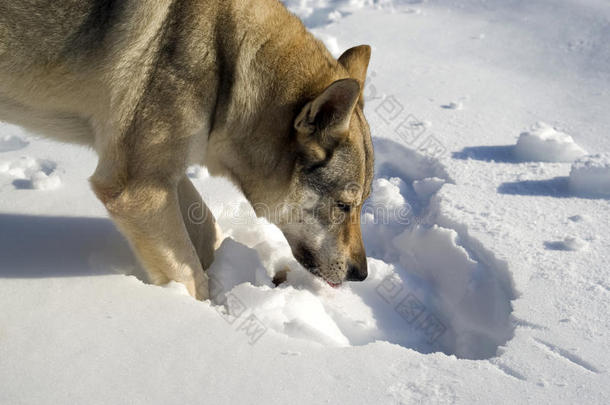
(40, 32)
(58, 57)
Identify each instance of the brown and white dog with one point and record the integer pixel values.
(238, 86)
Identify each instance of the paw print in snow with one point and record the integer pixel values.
(32, 174)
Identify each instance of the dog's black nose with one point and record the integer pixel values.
(356, 273)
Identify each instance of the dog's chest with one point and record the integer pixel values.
(198, 146)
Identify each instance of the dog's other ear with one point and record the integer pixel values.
(356, 61)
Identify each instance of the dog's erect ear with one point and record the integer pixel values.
(331, 111)
(324, 122)
(356, 61)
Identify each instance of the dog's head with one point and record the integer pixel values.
(332, 178)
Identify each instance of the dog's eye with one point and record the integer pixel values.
(345, 207)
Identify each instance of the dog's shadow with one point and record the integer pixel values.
(44, 246)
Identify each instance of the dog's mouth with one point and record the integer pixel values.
(316, 272)
(308, 260)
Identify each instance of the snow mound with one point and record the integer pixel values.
(42, 181)
(9, 143)
(543, 143)
(454, 105)
(297, 313)
(235, 264)
(393, 159)
(31, 173)
(590, 176)
(428, 186)
(570, 243)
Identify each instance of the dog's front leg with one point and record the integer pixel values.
(148, 213)
(200, 222)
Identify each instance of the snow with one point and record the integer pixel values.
(454, 105)
(590, 175)
(197, 172)
(11, 142)
(545, 144)
(569, 243)
(428, 186)
(488, 276)
(37, 174)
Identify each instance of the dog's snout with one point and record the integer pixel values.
(356, 272)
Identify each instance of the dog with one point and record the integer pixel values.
(240, 87)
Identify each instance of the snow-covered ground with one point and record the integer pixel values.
(487, 235)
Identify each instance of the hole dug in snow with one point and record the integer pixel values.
(428, 288)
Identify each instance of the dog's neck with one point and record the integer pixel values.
(269, 67)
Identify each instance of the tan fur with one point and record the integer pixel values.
(154, 86)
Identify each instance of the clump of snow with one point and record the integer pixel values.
(394, 160)
(543, 143)
(9, 143)
(428, 186)
(197, 172)
(176, 288)
(294, 312)
(235, 264)
(19, 168)
(32, 173)
(385, 215)
(575, 243)
(335, 15)
(580, 218)
(387, 194)
(242, 224)
(569, 243)
(454, 105)
(41, 181)
(590, 176)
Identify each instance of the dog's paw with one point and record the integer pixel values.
(281, 277)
